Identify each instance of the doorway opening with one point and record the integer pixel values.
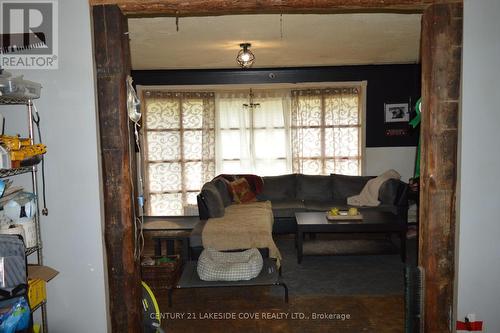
(437, 202)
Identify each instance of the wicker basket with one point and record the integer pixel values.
(162, 276)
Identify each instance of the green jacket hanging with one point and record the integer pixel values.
(414, 123)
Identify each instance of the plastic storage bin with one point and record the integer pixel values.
(17, 87)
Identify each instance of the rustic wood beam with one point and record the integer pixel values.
(231, 7)
(441, 66)
(441, 58)
(112, 58)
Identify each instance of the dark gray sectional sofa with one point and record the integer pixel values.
(301, 193)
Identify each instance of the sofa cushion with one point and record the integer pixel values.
(383, 208)
(345, 186)
(221, 185)
(311, 187)
(213, 200)
(287, 208)
(324, 205)
(278, 187)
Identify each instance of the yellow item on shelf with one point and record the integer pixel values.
(36, 292)
(20, 148)
(14, 142)
(28, 151)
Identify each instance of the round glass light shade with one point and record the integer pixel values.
(245, 57)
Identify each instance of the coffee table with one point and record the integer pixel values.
(372, 222)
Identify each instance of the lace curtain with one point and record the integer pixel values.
(253, 139)
(179, 149)
(188, 138)
(326, 131)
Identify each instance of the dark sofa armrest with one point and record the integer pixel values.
(202, 207)
(394, 192)
(403, 195)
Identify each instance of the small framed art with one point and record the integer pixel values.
(396, 113)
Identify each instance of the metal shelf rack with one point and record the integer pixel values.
(14, 172)
(28, 102)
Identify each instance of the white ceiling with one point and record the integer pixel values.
(287, 41)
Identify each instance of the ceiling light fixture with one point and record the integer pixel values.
(245, 57)
(251, 105)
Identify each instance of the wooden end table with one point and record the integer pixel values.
(170, 229)
(372, 222)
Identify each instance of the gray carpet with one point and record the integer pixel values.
(343, 275)
(347, 247)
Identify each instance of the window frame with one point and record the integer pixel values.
(362, 85)
(143, 181)
(145, 162)
(252, 129)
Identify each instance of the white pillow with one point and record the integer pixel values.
(215, 265)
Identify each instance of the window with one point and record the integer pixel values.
(326, 131)
(189, 137)
(252, 133)
(179, 154)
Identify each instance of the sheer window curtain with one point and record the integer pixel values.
(326, 127)
(179, 149)
(253, 140)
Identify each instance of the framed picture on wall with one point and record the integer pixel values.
(396, 113)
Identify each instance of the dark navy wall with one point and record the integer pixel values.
(386, 84)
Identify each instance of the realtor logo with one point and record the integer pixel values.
(28, 35)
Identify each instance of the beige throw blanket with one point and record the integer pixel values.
(369, 194)
(243, 226)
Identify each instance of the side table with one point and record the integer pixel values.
(170, 229)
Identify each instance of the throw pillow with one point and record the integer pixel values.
(242, 191)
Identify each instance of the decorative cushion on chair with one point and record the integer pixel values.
(214, 265)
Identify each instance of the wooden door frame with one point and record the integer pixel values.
(441, 74)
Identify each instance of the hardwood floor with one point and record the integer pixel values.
(257, 310)
(199, 310)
